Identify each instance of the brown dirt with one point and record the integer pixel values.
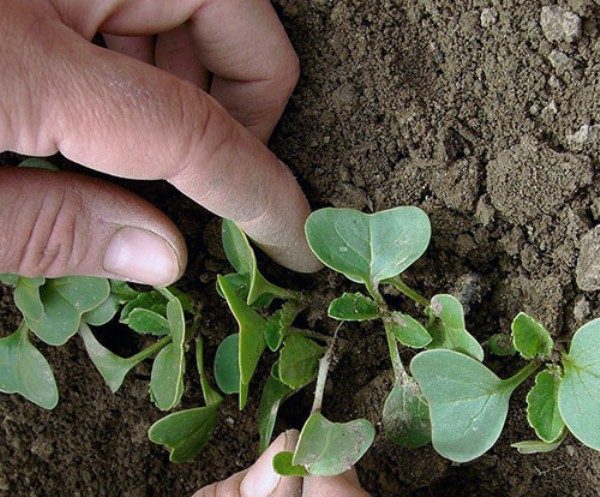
(468, 112)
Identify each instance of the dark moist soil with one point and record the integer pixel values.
(467, 109)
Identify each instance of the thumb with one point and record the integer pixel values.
(344, 485)
(59, 223)
(260, 480)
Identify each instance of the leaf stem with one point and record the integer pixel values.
(520, 376)
(411, 293)
(149, 351)
(324, 364)
(400, 374)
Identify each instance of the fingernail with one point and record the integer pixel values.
(262, 480)
(140, 255)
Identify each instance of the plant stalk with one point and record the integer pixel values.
(411, 293)
(400, 374)
(153, 349)
(324, 364)
(521, 375)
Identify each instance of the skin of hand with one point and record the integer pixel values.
(143, 109)
(262, 481)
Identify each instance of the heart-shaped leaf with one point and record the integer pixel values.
(328, 449)
(368, 248)
(530, 338)
(448, 330)
(240, 254)
(407, 330)
(24, 370)
(542, 406)
(282, 464)
(227, 365)
(406, 416)
(353, 307)
(299, 361)
(27, 297)
(273, 395)
(65, 301)
(468, 403)
(578, 401)
(166, 379)
(185, 433)
(251, 335)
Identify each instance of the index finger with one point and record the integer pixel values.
(121, 116)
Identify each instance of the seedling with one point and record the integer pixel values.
(324, 448)
(447, 396)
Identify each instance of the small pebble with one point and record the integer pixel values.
(488, 17)
(559, 24)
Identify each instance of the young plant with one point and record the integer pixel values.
(55, 310)
(469, 404)
(324, 448)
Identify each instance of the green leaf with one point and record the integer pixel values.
(406, 415)
(501, 345)
(252, 335)
(227, 365)
(353, 307)
(278, 325)
(328, 449)
(273, 395)
(282, 464)
(65, 301)
(368, 248)
(448, 328)
(27, 297)
(542, 406)
(468, 403)
(299, 361)
(187, 302)
(578, 398)
(24, 370)
(530, 338)
(152, 301)
(528, 447)
(166, 379)
(9, 279)
(211, 396)
(104, 313)
(37, 163)
(122, 290)
(145, 321)
(185, 433)
(111, 367)
(241, 256)
(407, 330)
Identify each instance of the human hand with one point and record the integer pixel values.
(262, 481)
(116, 114)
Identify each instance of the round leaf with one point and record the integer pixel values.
(226, 366)
(468, 403)
(407, 330)
(530, 338)
(328, 449)
(578, 398)
(368, 248)
(353, 307)
(542, 407)
(299, 361)
(282, 464)
(406, 416)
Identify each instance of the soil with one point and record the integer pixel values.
(470, 109)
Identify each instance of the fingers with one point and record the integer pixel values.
(58, 223)
(175, 53)
(118, 115)
(138, 47)
(260, 480)
(344, 485)
(243, 43)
